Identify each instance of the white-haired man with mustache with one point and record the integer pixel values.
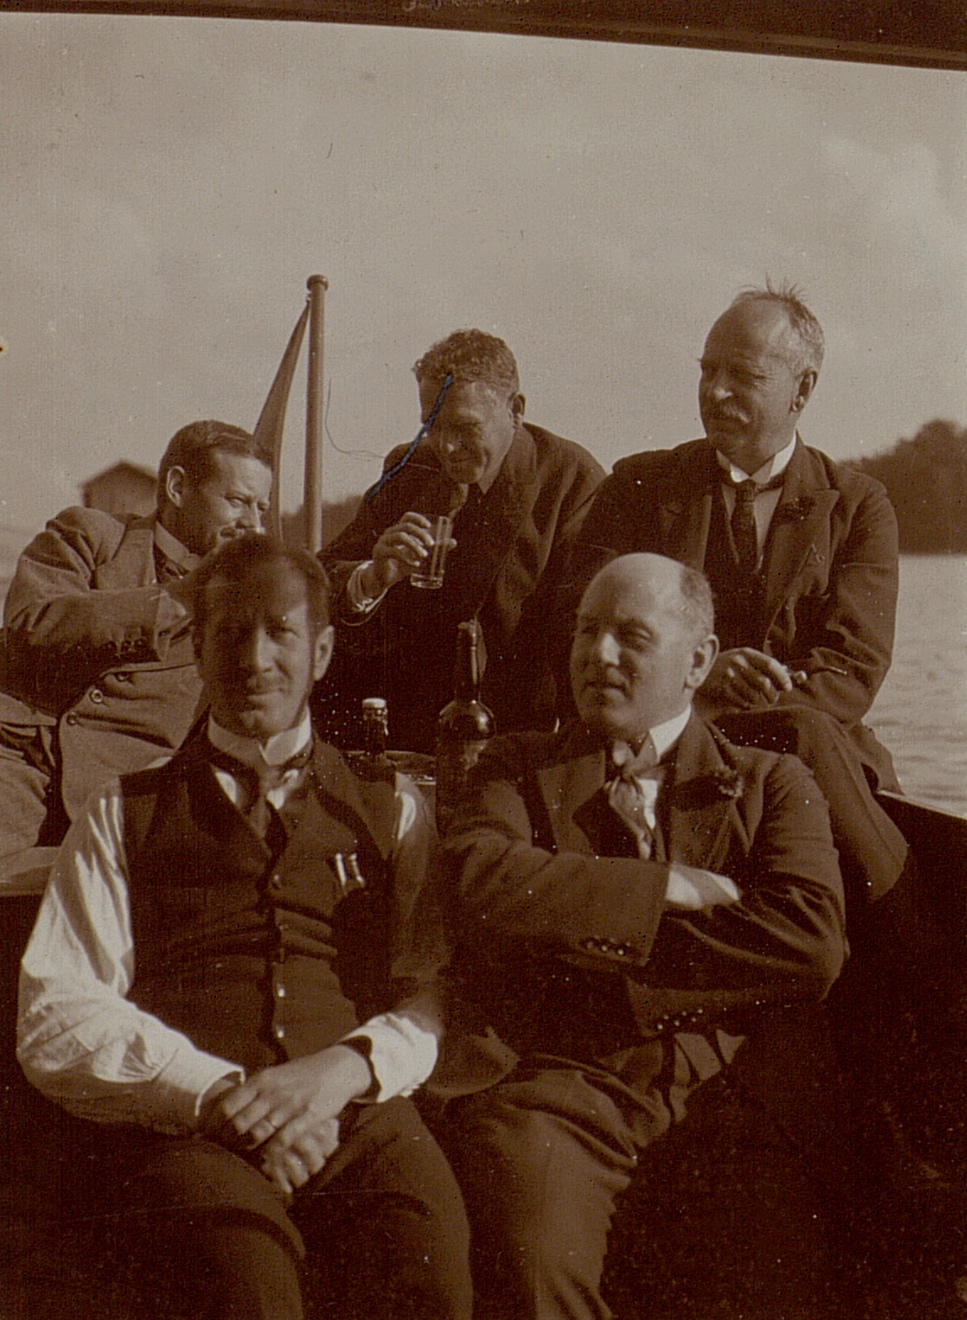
(801, 555)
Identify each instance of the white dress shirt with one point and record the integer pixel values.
(764, 505)
(688, 887)
(662, 739)
(85, 1045)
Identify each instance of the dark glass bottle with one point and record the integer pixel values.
(464, 725)
(375, 727)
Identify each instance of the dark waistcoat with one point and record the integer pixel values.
(259, 959)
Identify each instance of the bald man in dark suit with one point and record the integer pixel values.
(632, 898)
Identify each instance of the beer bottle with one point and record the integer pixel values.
(375, 727)
(464, 725)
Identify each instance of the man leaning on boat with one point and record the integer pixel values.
(99, 676)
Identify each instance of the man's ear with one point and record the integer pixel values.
(807, 383)
(703, 658)
(175, 483)
(322, 651)
(517, 404)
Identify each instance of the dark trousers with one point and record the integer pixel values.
(555, 1154)
(541, 1159)
(872, 851)
(379, 1234)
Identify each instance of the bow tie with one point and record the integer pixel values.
(628, 764)
(750, 487)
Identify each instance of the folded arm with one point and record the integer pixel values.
(55, 610)
(783, 928)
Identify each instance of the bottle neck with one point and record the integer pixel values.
(466, 672)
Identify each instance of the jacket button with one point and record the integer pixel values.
(279, 1031)
(97, 696)
(72, 717)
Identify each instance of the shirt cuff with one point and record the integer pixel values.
(402, 1053)
(177, 1097)
(361, 603)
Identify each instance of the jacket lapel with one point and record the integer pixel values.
(685, 506)
(698, 818)
(568, 784)
(697, 810)
(132, 563)
(799, 536)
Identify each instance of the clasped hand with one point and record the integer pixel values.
(288, 1114)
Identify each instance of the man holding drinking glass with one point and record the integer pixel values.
(515, 497)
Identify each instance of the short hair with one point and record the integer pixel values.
(191, 448)
(697, 605)
(243, 555)
(811, 343)
(470, 355)
(698, 609)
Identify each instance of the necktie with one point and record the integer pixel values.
(745, 536)
(257, 783)
(464, 500)
(633, 791)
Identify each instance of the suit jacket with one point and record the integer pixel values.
(830, 565)
(97, 650)
(507, 569)
(565, 948)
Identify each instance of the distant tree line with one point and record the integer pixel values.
(926, 480)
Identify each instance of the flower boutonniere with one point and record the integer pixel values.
(728, 782)
(795, 510)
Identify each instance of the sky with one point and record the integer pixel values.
(170, 184)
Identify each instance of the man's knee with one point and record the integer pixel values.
(540, 1185)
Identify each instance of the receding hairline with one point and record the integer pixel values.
(693, 595)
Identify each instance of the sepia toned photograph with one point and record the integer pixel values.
(483, 680)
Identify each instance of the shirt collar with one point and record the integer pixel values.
(664, 736)
(279, 748)
(173, 550)
(772, 467)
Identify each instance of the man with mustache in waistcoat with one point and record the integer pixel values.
(210, 990)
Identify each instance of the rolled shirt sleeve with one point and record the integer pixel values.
(80, 1041)
(86, 1046)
